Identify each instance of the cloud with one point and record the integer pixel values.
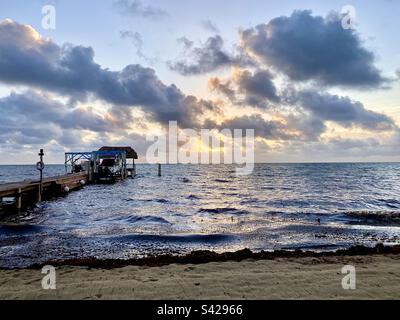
(36, 118)
(137, 41)
(348, 149)
(267, 129)
(255, 89)
(302, 46)
(289, 127)
(134, 37)
(27, 59)
(136, 9)
(343, 111)
(209, 25)
(307, 47)
(209, 57)
(70, 73)
(307, 126)
(226, 88)
(33, 118)
(303, 113)
(187, 44)
(22, 110)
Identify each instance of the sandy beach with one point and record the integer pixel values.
(377, 277)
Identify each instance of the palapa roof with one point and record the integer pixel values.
(130, 153)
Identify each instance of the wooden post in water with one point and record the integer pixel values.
(159, 169)
(90, 171)
(39, 194)
(18, 199)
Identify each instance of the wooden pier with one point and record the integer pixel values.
(94, 168)
(28, 192)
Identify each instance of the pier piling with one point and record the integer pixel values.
(39, 194)
(18, 199)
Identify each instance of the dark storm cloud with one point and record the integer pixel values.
(136, 9)
(343, 111)
(26, 59)
(209, 57)
(307, 47)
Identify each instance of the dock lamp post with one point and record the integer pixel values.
(40, 167)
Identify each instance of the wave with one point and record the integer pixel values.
(161, 200)
(223, 210)
(373, 217)
(222, 180)
(391, 203)
(249, 201)
(193, 197)
(8, 229)
(191, 238)
(146, 219)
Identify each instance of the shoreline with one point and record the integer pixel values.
(203, 257)
(377, 277)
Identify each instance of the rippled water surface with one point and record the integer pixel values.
(208, 207)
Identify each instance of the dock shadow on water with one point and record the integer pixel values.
(194, 207)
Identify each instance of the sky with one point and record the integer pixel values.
(113, 71)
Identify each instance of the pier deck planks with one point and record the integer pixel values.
(11, 189)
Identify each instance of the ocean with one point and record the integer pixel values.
(207, 207)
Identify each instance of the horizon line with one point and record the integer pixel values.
(278, 162)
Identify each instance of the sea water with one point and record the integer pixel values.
(207, 207)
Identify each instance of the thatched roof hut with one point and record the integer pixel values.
(130, 153)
